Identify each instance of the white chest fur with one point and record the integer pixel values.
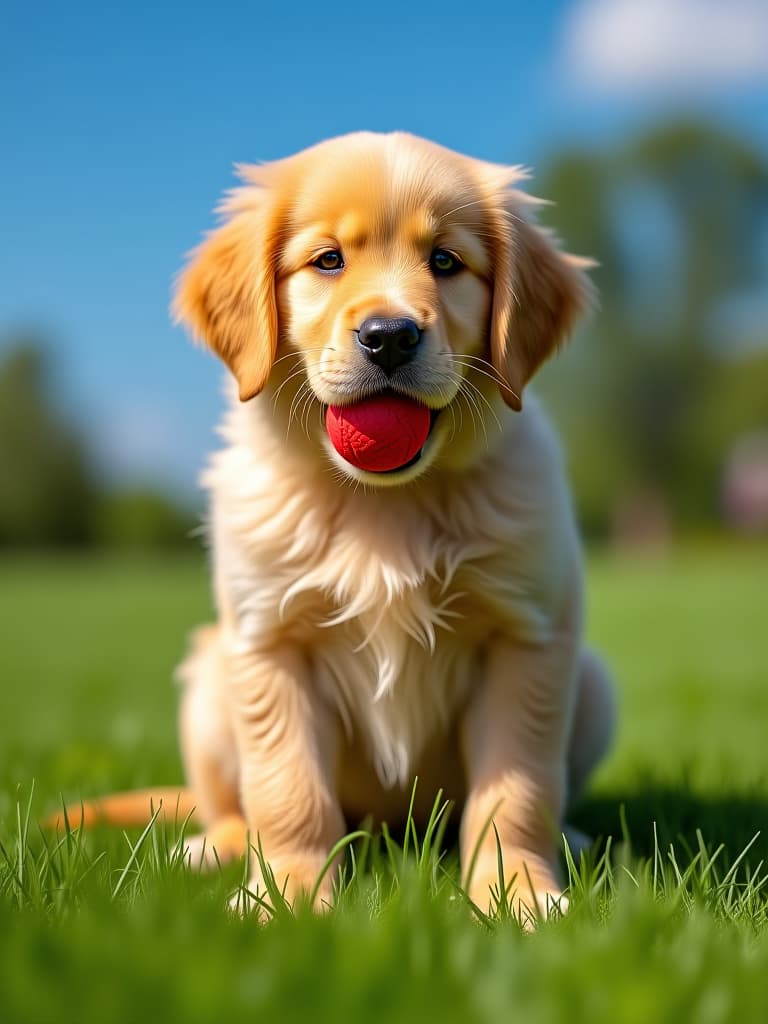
(392, 594)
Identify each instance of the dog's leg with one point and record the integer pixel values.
(286, 739)
(208, 752)
(515, 734)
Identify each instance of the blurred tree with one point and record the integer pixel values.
(47, 491)
(650, 397)
(677, 220)
(141, 518)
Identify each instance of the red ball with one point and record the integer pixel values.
(379, 433)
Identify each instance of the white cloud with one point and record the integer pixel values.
(647, 45)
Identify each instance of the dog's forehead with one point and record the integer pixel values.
(380, 184)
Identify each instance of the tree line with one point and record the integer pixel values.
(51, 494)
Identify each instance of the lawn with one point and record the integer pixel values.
(670, 925)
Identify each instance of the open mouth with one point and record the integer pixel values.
(385, 433)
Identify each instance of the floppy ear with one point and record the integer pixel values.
(226, 294)
(538, 294)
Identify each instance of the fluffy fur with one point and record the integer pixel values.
(375, 627)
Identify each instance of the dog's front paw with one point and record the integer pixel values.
(284, 882)
(529, 890)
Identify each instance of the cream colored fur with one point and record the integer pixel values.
(373, 629)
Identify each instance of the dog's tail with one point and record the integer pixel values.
(126, 809)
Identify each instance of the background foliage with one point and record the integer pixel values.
(651, 396)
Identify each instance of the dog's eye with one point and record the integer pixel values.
(444, 263)
(330, 261)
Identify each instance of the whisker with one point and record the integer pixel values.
(307, 411)
(462, 395)
(481, 397)
(468, 355)
(495, 376)
(499, 380)
(453, 422)
(474, 370)
(295, 402)
(296, 354)
(291, 408)
(475, 405)
(472, 360)
(464, 383)
(298, 418)
(306, 418)
(296, 373)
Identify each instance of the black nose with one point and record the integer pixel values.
(389, 341)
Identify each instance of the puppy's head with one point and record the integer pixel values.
(374, 264)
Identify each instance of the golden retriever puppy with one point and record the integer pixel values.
(378, 624)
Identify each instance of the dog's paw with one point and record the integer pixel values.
(198, 853)
(289, 883)
(223, 842)
(531, 892)
(251, 901)
(550, 904)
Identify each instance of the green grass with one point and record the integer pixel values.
(669, 915)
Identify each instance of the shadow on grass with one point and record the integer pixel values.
(653, 814)
(732, 820)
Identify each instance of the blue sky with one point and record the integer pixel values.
(120, 126)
